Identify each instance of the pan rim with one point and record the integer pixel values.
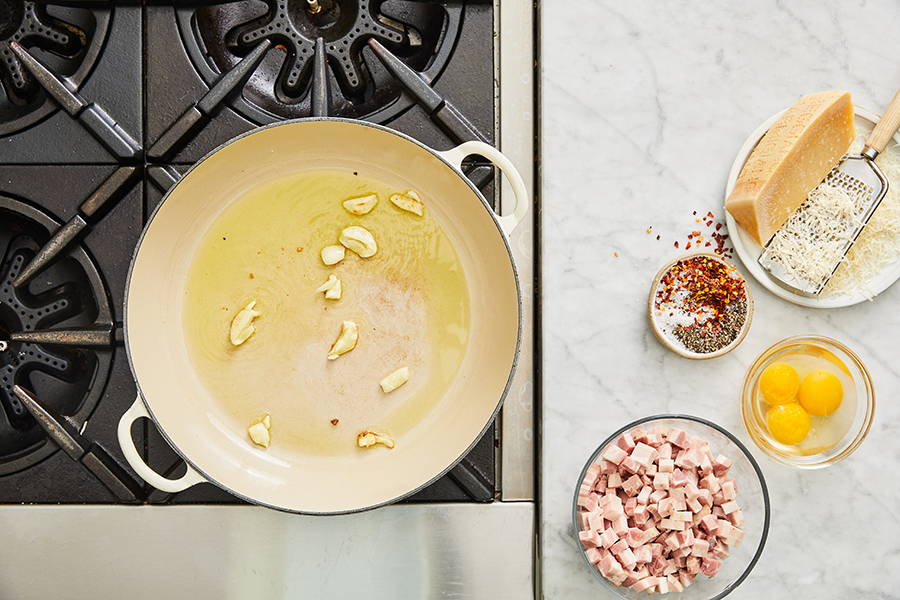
(500, 400)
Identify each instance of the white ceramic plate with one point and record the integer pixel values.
(748, 250)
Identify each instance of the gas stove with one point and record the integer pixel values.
(105, 105)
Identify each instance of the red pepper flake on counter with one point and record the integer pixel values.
(335, 422)
(706, 302)
(695, 238)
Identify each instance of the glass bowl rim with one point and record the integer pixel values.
(678, 416)
(834, 344)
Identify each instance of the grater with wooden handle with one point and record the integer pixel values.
(860, 177)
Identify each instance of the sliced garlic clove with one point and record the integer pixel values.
(259, 430)
(359, 240)
(360, 205)
(367, 439)
(332, 255)
(409, 202)
(242, 326)
(346, 340)
(395, 380)
(332, 288)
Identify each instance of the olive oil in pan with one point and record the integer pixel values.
(410, 301)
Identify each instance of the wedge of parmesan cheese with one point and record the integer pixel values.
(792, 158)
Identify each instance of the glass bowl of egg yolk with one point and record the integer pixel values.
(808, 401)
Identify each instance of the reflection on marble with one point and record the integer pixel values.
(644, 106)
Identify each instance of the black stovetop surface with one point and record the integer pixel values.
(153, 61)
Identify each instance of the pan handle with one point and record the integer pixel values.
(455, 156)
(138, 411)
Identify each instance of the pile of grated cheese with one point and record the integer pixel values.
(812, 239)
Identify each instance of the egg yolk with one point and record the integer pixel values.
(821, 392)
(788, 423)
(779, 383)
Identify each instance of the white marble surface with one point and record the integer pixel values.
(644, 106)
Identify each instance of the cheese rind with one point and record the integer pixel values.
(791, 159)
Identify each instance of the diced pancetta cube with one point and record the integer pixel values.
(686, 578)
(607, 467)
(620, 545)
(666, 507)
(736, 518)
(706, 498)
(730, 506)
(644, 584)
(661, 481)
(643, 454)
(677, 496)
(588, 502)
(674, 583)
(643, 496)
(630, 505)
(630, 465)
(642, 572)
(620, 525)
(700, 548)
(638, 435)
(627, 559)
(614, 454)
(717, 510)
(630, 580)
(723, 528)
(593, 555)
(692, 565)
(583, 520)
(710, 523)
(589, 539)
(632, 485)
(642, 554)
(678, 478)
(657, 495)
(608, 537)
(652, 509)
(664, 452)
(625, 442)
(613, 481)
(678, 438)
(718, 498)
(654, 438)
(634, 537)
(650, 534)
(591, 475)
(671, 524)
(662, 584)
(611, 569)
(666, 465)
(651, 470)
(695, 505)
(655, 549)
(683, 515)
(710, 566)
(685, 538)
(671, 543)
(721, 464)
(640, 514)
(728, 491)
(595, 520)
(711, 482)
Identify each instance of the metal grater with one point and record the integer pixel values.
(861, 178)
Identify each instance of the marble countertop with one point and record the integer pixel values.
(644, 107)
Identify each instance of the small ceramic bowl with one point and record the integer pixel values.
(673, 344)
(753, 496)
(755, 420)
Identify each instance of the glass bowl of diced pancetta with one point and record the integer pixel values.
(671, 504)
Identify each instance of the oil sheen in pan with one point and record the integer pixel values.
(410, 300)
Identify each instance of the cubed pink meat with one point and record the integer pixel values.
(711, 482)
(611, 569)
(651, 470)
(671, 524)
(614, 454)
(583, 520)
(666, 465)
(642, 572)
(718, 498)
(705, 463)
(683, 515)
(700, 548)
(643, 454)
(644, 584)
(710, 566)
(721, 464)
(620, 525)
(600, 484)
(644, 495)
(595, 520)
(664, 452)
(588, 502)
(685, 538)
(589, 539)
(625, 442)
(692, 565)
(638, 435)
(658, 495)
(678, 438)
(677, 496)
(593, 555)
(695, 505)
(607, 467)
(619, 546)
(627, 559)
(650, 534)
(674, 583)
(661, 481)
(642, 554)
(658, 565)
(724, 528)
(686, 578)
(654, 438)
(632, 485)
(613, 481)
(730, 506)
(655, 549)
(666, 507)
(630, 465)
(591, 475)
(652, 509)
(634, 537)
(671, 543)
(705, 498)
(736, 518)
(640, 514)
(662, 584)
(630, 580)
(608, 537)
(728, 490)
(678, 478)
(717, 510)
(710, 523)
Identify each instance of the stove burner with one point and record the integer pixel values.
(421, 34)
(67, 39)
(69, 293)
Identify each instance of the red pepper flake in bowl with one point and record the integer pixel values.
(702, 302)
